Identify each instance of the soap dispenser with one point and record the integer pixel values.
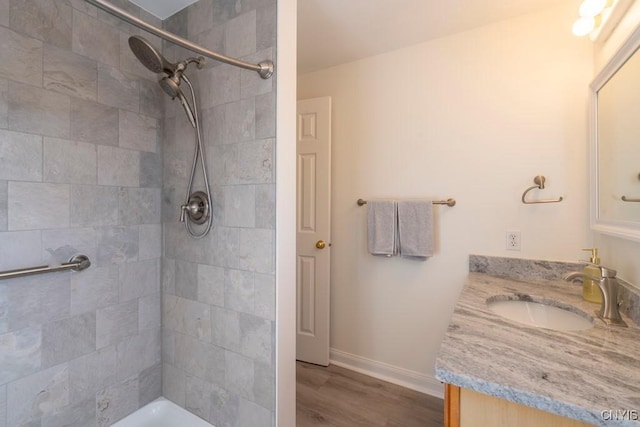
(590, 290)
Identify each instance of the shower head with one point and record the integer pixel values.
(149, 56)
(171, 85)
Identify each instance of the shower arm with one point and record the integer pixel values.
(264, 68)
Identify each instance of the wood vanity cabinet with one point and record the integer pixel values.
(467, 408)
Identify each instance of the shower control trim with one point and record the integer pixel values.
(197, 209)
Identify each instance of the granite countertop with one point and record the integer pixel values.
(574, 374)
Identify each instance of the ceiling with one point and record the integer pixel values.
(332, 32)
(163, 8)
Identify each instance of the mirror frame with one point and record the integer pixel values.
(623, 229)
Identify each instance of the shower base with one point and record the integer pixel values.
(161, 413)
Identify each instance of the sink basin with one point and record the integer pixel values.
(541, 314)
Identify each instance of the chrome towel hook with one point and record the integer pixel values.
(539, 183)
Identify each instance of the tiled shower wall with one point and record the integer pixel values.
(219, 291)
(80, 171)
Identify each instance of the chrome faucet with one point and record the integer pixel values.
(608, 284)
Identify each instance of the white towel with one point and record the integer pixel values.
(415, 229)
(381, 227)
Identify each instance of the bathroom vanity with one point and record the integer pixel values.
(499, 372)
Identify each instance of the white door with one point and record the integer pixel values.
(313, 230)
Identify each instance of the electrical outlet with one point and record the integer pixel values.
(513, 241)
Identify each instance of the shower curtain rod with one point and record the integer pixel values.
(265, 68)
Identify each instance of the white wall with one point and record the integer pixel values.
(473, 116)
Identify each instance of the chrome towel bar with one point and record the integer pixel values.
(76, 263)
(448, 202)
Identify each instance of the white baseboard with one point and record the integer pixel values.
(400, 376)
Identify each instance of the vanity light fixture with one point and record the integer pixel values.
(592, 14)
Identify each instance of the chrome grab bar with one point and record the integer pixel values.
(76, 263)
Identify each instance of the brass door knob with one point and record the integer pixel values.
(320, 244)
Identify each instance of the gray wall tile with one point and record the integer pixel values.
(94, 289)
(168, 346)
(149, 312)
(225, 407)
(117, 245)
(138, 132)
(20, 156)
(152, 98)
(265, 112)
(265, 296)
(220, 85)
(150, 170)
(36, 110)
(70, 73)
(225, 328)
(251, 414)
(256, 250)
(211, 285)
(78, 414)
(264, 385)
(116, 322)
(137, 353)
(233, 122)
(177, 23)
(84, 7)
(243, 163)
(200, 17)
(118, 23)
(4, 195)
(224, 10)
(20, 58)
(67, 339)
(187, 317)
(240, 35)
(199, 359)
(95, 39)
(240, 206)
(198, 397)
(266, 206)
(174, 383)
(3, 406)
(139, 206)
(266, 27)
(150, 241)
(168, 276)
(93, 122)
(150, 384)
(118, 89)
(93, 206)
(69, 161)
(239, 374)
(91, 373)
(46, 20)
(238, 290)
(224, 247)
(50, 211)
(38, 395)
(118, 167)
(137, 279)
(20, 249)
(20, 353)
(4, 102)
(116, 402)
(36, 300)
(4, 21)
(187, 280)
(59, 246)
(256, 338)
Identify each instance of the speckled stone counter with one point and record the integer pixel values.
(573, 374)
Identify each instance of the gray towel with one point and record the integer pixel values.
(381, 227)
(415, 228)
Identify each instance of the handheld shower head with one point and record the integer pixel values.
(149, 56)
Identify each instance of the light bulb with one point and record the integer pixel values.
(583, 26)
(591, 8)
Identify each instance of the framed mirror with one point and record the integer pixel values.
(615, 144)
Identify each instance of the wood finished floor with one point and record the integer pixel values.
(337, 397)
